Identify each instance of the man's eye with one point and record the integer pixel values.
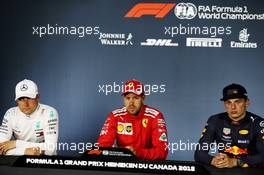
(22, 99)
(238, 102)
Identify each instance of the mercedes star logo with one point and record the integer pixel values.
(23, 87)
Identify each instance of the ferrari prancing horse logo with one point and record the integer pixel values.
(145, 122)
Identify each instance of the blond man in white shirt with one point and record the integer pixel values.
(34, 126)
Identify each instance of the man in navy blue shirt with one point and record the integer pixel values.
(238, 133)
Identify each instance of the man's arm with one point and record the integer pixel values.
(108, 132)
(159, 136)
(50, 136)
(208, 136)
(6, 127)
(6, 134)
(258, 158)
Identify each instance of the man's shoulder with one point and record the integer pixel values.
(152, 112)
(256, 119)
(254, 116)
(47, 107)
(12, 111)
(49, 110)
(119, 112)
(217, 117)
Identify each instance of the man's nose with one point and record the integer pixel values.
(233, 106)
(25, 101)
(131, 101)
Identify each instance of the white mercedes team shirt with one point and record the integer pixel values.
(39, 129)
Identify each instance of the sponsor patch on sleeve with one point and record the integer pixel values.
(163, 137)
(261, 124)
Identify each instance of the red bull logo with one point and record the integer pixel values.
(234, 150)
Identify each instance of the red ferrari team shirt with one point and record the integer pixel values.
(146, 132)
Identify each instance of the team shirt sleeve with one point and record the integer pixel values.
(159, 135)
(258, 158)
(6, 127)
(108, 132)
(6, 132)
(207, 137)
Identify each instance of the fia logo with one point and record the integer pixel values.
(185, 11)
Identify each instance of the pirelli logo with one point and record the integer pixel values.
(159, 10)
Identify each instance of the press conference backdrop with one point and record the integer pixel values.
(80, 53)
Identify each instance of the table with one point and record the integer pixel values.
(13, 165)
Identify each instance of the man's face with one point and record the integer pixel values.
(27, 105)
(133, 103)
(236, 108)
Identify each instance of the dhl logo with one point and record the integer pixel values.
(236, 150)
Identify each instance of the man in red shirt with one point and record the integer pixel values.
(136, 126)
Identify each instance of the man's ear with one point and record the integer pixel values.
(37, 97)
(247, 102)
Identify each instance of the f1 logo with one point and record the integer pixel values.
(159, 10)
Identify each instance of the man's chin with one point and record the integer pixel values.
(132, 112)
(27, 112)
(234, 117)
